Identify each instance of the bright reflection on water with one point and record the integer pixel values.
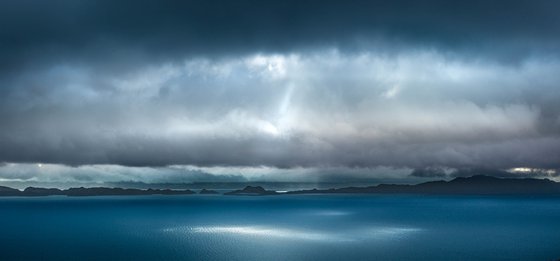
(306, 227)
(330, 213)
(264, 232)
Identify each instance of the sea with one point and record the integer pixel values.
(280, 227)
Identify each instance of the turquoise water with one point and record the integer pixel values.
(309, 227)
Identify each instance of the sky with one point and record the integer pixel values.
(288, 91)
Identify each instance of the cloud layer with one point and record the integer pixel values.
(281, 84)
(314, 109)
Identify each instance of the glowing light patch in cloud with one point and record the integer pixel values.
(391, 92)
(521, 169)
(273, 66)
(269, 128)
(550, 172)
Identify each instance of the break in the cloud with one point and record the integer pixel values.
(280, 85)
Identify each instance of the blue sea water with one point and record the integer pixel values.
(307, 227)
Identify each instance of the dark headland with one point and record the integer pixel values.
(475, 185)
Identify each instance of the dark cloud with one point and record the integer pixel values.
(129, 30)
(431, 172)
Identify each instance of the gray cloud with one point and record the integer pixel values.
(99, 174)
(529, 173)
(322, 108)
(48, 175)
(431, 172)
(281, 84)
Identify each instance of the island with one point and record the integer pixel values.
(252, 191)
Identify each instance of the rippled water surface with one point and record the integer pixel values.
(311, 227)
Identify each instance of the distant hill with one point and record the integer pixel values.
(475, 185)
(6, 191)
(480, 184)
(252, 191)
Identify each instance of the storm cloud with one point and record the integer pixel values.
(166, 29)
(281, 84)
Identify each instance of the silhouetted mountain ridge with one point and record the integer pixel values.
(478, 184)
(7, 191)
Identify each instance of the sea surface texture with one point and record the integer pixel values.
(308, 227)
